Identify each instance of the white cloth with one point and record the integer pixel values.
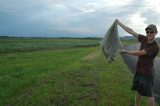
(111, 43)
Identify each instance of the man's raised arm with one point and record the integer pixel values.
(127, 29)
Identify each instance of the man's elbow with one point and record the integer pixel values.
(138, 54)
(141, 54)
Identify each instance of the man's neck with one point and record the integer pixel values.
(150, 41)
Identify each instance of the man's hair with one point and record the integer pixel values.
(152, 27)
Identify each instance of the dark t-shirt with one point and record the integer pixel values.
(145, 63)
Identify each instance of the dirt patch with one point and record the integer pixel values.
(92, 96)
(89, 85)
(92, 55)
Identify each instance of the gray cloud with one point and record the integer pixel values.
(67, 17)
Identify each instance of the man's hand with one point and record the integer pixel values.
(123, 51)
(117, 21)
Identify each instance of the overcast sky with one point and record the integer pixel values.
(75, 18)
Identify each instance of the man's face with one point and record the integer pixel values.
(151, 34)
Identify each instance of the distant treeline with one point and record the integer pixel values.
(94, 38)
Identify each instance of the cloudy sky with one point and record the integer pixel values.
(75, 18)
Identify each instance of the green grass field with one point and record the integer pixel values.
(8, 45)
(77, 76)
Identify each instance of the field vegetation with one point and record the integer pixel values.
(61, 72)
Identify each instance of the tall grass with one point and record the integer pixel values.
(30, 44)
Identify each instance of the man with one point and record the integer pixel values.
(143, 79)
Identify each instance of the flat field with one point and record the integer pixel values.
(57, 72)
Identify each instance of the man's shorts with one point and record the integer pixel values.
(143, 84)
